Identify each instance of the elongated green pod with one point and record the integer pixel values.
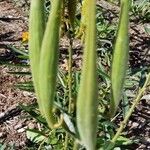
(49, 62)
(36, 32)
(81, 31)
(87, 102)
(72, 4)
(120, 57)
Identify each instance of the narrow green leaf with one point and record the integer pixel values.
(19, 51)
(30, 110)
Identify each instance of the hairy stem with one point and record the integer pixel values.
(70, 88)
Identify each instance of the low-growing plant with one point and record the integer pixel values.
(87, 96)
(140, 9)
(77, 109)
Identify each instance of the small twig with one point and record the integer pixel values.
(66, 141)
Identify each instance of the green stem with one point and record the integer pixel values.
(42, 143)
(70, 76)
(66, 141)
(69, 87)
(124, 122)
(76, 145)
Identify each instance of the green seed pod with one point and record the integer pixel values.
(72, 11)
(36, 32)
(87, 100)
(81, 31)
(120, 57)
(49, 62)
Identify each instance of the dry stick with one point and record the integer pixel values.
(135, 103)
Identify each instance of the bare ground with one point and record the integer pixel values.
(13, 23)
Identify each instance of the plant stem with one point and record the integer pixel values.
(76, 145)
(66, 141)
(69, 87)
(70, 76)
(42, 143)
(135, 103)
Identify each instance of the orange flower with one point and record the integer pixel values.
(25, 36)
